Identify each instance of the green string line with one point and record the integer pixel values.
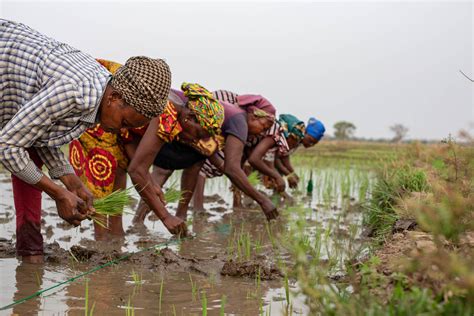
(70, 280)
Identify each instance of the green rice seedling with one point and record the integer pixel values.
(88, 312)
(223, 301)
(129, 310)
(270, 234)
(247, 245)
(253, 178)
(258, 280)
(174, 310)
(161, 297)
(194, 289)
(204, 303)
(38, 280)
(258, 245)
(137, 278)
(172, 195)
(111, 205)
(287, 290)
(73, 256)
(269, 310)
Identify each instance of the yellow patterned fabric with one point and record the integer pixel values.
(209, 112)
(169, 126)
(95, 158)
(97, 154)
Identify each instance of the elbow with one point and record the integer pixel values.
(231, 170)
(136, 173)
(254, 161)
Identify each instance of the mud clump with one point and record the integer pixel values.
(167, 260)
(53, 253)
(215, 198)
(92, 256)
(251, 269)
(82, 254)
(7, 249)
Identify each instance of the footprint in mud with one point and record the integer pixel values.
(251, 269)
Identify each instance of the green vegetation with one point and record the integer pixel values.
(423, 272)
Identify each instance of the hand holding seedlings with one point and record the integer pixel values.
(75, 185)
(68, 205)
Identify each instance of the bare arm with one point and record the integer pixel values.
(138, 169)
(233, 154)
(256, 160)
(284, 165)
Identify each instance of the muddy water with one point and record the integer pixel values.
(189, 272)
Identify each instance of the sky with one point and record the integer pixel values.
(370, 63)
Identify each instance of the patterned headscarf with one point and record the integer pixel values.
(292, 126)
(257, 105)
(144, 84)
(209, 112)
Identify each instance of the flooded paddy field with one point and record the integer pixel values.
(235, 263)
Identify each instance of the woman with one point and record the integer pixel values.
(101, 158)
(259, 145)
(254, 116)
(180, 140)
(296, 134)
(230, 162)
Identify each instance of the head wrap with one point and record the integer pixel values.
(292, 126)
(144, 83)
(209, 112)
(315, 128)
(257, 105)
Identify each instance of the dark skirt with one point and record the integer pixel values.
(176, 156)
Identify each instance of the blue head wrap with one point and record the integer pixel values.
(315, 128)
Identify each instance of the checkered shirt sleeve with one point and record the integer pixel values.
(32, 121)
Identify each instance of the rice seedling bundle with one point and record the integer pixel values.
(111, 205)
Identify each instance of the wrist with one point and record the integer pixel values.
(163, 217)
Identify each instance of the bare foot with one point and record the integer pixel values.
(33, 259)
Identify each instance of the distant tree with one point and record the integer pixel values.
(344, 130)
(400, 132)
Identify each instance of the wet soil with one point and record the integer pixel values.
(252, 269)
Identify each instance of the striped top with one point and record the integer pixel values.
(50, 94)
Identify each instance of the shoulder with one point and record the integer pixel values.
(82, 71)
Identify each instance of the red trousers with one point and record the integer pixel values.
(27, 198)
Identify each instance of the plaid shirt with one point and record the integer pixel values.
(49, 95)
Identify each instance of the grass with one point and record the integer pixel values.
(393, 184)
(429, 184)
